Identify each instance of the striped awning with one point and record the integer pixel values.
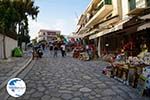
(142, 27)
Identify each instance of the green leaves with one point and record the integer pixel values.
(16, 12)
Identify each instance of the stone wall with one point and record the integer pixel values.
(10, 45)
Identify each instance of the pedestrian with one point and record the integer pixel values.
(63, 48)
(55, 50)
(51, 47)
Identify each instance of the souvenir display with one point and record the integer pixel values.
(146, 72)
(133, 71)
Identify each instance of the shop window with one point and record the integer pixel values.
(132, 4)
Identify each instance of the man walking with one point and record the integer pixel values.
(63, 48)
(51, 47)
(55, 50)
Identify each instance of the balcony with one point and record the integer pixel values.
(101, 11)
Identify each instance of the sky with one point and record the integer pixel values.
(60, 15)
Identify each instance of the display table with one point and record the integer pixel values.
(141, 88)
(83, 56)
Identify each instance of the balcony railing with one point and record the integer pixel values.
(105, 2)
(104, 7)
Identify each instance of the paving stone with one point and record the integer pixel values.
(86, 94)
(76, 99)
(47, 92)
(66, 96)
(87, 77)
(98, 95)
(46, 97)
(11, 98)
(108, 92)
(106, 98)
(91, 97)
(54, 98)
(101, 86)
(62, 88)
(72, 89)
(41, 89)
(64, 91)
(30, 91)
(37, 94)
(93, 93)
(85, 89)
(117, 98)
(26, 97)
(77, 94)
(133, 95)
(55, 94)
(77, 86)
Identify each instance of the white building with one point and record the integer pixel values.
(48, 35)
(104, 20)
(10, 44)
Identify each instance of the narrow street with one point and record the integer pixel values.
(71, 79)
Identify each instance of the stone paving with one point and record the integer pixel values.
(10, 66)
(70, 79)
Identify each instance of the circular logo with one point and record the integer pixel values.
(16, 87)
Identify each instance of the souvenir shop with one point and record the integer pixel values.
(128, 53)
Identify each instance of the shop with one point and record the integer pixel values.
(128, 52)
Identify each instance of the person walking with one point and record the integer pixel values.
(55, 50)
(51, 47)
(63, 48)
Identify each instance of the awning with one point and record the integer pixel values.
(77, 36)
(145, 16)
(91, 32)
(115, 28)
(142, 27)
(96, 35)
(82, 30)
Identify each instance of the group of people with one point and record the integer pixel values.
(54, 47)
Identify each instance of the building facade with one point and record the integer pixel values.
(48, 35)
(104, 21)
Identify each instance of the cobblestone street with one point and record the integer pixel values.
(70, 79)
(10, 66)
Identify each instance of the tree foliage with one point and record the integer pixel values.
(14, 18)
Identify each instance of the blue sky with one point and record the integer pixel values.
(57, 15)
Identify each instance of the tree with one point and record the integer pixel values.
(60, 37)
(7, 20)
(13, 13)
(25, 8)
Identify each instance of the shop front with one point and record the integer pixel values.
(128, 52)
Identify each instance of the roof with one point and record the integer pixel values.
(45, 30)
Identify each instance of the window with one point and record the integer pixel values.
(44, 33)
(148, 3)
(132, 4)
(108, 1)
